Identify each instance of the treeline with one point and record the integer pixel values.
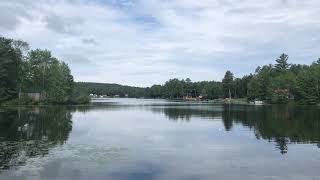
(175, 89)
(185, 88)
(24, 71)
(273, 83)
(112, 89)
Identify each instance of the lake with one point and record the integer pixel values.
(136, 139)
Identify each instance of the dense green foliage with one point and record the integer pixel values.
(173, 89)
(10, 66)
(281, 82)
(35, 71)
(111, 89)
(276, 83)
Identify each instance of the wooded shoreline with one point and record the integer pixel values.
(276, 83)
(49, 80)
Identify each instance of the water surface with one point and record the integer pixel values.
(130, 139)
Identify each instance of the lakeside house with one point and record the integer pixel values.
(202, 97)
(258, 102)
(188, 98)
(98, 96)
(35, 96)
(281, 91)
(285, 92)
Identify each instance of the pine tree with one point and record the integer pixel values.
(282, 62)
(227, 84)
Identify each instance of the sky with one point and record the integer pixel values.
(146, 42)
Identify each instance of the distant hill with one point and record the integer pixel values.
(112, 89)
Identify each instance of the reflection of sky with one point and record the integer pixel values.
(136, 143)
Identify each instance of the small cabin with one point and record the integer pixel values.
(34, 96)
(187, 97)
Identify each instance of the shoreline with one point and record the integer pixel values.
(241, 101)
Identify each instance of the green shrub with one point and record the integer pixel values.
(24, 100)
(81, 100)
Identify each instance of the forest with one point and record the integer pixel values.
(273, 83)
(24, 71)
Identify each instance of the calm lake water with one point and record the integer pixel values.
(129, 139)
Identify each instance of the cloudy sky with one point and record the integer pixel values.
(143, 42)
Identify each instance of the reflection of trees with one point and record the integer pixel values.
(281, 124)
(176, 113)
(227, 118)
(281, 144)
(30, 133)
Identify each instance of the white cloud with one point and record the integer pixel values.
(143, 42)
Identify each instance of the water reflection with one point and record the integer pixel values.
(185, 113)
(282, 124)
(26, 133)
(160, 141)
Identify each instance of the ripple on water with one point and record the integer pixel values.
(33, 157)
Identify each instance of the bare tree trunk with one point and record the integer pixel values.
(19, 95)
